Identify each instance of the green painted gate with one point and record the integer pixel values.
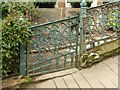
(54, 46)
(58, 45)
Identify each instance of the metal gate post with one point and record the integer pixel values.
(82, 14)
(82, 31)
(22, 69)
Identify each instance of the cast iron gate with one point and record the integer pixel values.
(58, 45)
(54, 46)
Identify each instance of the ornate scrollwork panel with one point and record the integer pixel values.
(102, 22)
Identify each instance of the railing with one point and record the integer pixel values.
(58, 45)
(102, 24)
(54, 46)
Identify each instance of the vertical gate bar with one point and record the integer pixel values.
(81, 28)
(27, 58)
(49, 64)
(33, 67)
(72, 58)
(88, 26)
(22, 60)
(57, 62)
(41, 70)
(84, 33)
(77, 32)
(65, 60)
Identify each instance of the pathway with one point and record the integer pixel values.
(101, 75)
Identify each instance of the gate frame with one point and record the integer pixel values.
(81, 47)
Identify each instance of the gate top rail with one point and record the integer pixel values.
(56, 21)
(111, 3)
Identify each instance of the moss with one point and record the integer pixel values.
(26, 79)
(105, 51)
(110, 54)
(107, 47)
(24, 82)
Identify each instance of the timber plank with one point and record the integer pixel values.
(116, 58)
(111, 75)
(70, 82)
(101, 72)
(60, 82)
(113, 59)
(87, 73)
(81, 80)
(112, 65)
